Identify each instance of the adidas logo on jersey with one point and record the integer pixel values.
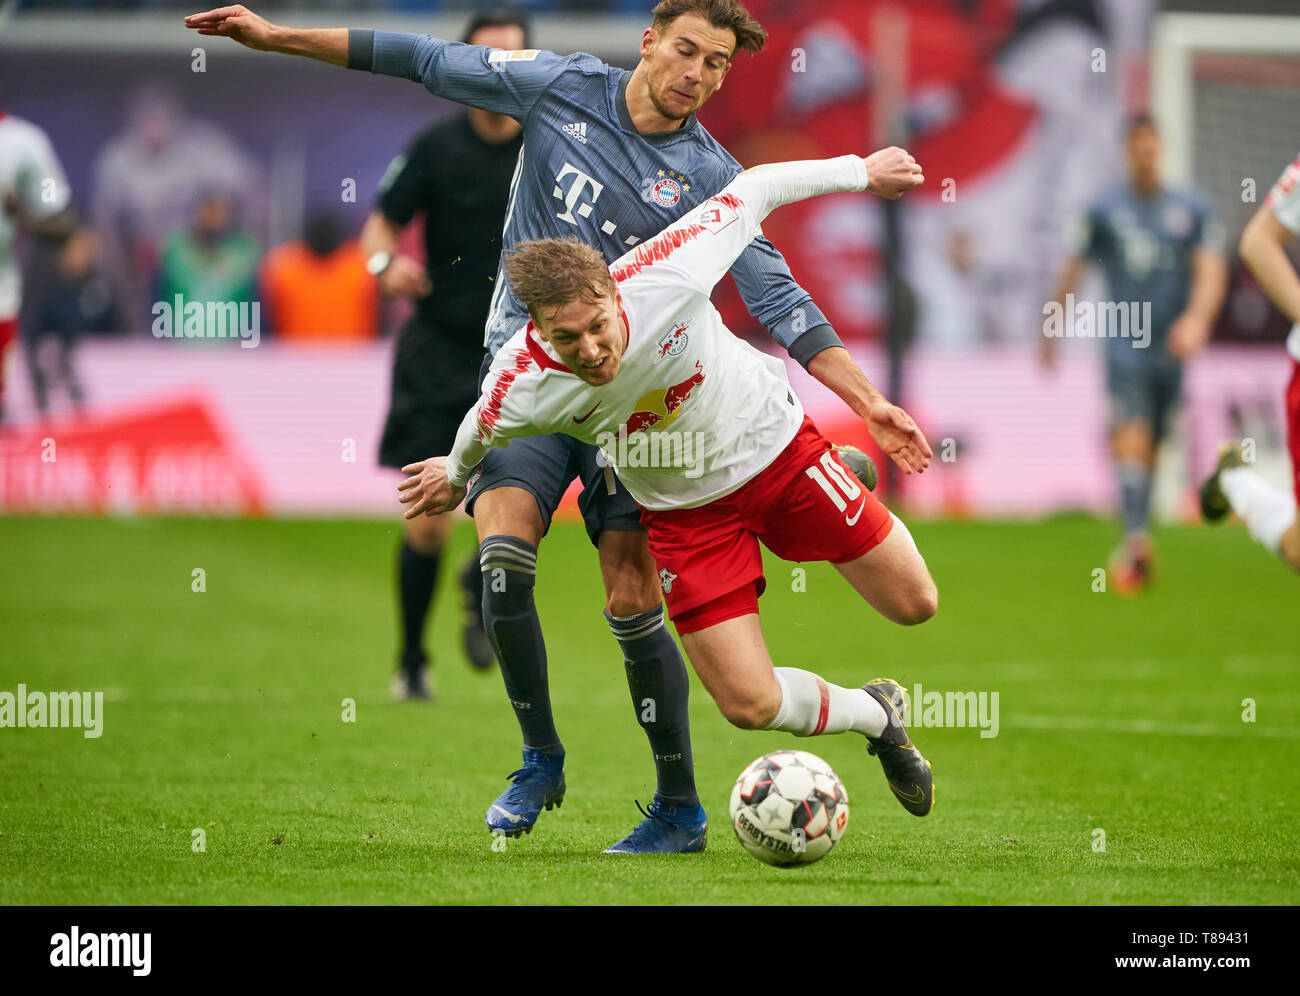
(577, 130)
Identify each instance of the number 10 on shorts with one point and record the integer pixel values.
(844, 490)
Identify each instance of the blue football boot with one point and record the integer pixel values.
(666, 830)
(537, 785)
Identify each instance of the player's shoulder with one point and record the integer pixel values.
(582, 63)
(712, 153)
(1190, 197)
(22, 132)
(1111, 198)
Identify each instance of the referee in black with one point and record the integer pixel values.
(458, 173)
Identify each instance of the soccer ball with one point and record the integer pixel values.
(789, 808)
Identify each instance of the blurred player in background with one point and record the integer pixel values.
(458, 174)
(1159, 246)
(611, 156)
(146, 178)
(1269, 514)
(34, 197)
(606, 339)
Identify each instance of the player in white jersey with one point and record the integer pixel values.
(707, 435)
(34, 197)
(1269, 514)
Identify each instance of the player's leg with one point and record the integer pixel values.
(429, 395)
(732, 660)
(653, 664)
(1268, 512)
(811, 508)
(511, 499)
(711, 562)
(1133, 441)
(893, 578)
(418, 561)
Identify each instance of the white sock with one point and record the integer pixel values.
(1266, 511)
(811, 706)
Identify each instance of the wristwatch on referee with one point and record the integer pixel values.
(378, 263)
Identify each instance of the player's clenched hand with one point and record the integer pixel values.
(428, 490)
(404, 277)
(1187, 334)
(236, 22)
(892, 172)
(898, 436)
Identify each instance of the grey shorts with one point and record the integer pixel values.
(545, 466)
(1148, 392)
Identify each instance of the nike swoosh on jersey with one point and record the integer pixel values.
(858, 514)
(588, 415)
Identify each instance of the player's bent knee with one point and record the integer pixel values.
(508, 511)
(925, 603)
(915, 603)
(632, 601)
(749, 714)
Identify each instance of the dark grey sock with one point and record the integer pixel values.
(509, 567)
(1135, 493)
(417, 577)
(656, 677)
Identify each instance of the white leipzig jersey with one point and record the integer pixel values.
(693, 413)
(1284, 199)
(31, 175)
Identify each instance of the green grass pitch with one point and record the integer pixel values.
(224, 711)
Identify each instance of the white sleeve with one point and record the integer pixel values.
(1284, 198)
(701, 246)
(503, 412)
(42, 185)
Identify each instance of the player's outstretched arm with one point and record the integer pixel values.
(1263, 249)
(1192, 329)
(428, 490)
(256, 32)
(894, 431)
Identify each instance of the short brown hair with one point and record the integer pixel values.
(726, 14)
(550, 273)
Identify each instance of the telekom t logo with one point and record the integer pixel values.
(580, 180)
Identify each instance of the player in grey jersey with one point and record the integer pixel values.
(613, 157)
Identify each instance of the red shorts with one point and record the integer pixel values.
(1293, 426)
(806, 505)
(8, 332)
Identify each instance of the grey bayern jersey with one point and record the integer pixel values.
(584, 170)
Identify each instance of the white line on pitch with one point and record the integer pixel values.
(1093, 724)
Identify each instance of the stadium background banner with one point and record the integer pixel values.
(278, 430)
(1007, 105)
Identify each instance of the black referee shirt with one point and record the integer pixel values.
(462, 183)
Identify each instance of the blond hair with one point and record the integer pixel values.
(550, 273)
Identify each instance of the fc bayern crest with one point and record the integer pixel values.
(666, 192)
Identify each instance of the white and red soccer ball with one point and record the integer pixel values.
(789, 808)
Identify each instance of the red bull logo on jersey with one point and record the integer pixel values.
(658, 409)
(673, 343)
